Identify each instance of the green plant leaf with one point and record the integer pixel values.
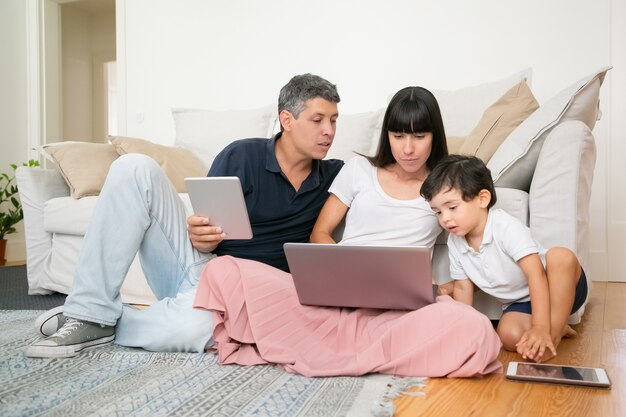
(11, 211)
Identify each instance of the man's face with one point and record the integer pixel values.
(312, 133)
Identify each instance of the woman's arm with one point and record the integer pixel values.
(331, 215)
(534, 342)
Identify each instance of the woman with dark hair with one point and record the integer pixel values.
(412, 110)
(384, 189)
(257, 315)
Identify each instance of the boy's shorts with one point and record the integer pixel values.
(579, 298)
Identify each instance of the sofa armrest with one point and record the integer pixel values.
(561, 189)
(36, 186)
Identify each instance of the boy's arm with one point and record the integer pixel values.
(534, 341)
(464, 291)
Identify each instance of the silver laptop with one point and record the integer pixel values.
(385, 277)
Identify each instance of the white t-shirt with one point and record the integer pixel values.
(494, 268)
(375, 218)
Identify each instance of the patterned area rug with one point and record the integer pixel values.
(118, 381)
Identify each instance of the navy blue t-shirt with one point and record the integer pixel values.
(278, 214)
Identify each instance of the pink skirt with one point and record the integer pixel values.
(258, 319)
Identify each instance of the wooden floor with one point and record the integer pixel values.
(601, 343)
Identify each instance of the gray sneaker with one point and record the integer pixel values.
(49, 322)
(71, 338)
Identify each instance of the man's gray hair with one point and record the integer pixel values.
(302, 88)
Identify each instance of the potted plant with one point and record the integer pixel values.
(10, 207)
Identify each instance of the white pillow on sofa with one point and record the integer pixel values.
(356, 133)
(207, 132)
(514, 162)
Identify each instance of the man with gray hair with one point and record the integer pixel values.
(285, 184)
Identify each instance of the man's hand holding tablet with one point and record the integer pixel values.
(219, 211)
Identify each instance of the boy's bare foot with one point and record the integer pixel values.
(568, 332)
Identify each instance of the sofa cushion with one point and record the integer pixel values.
(514, 162)
(356, 133)
(207, 132)
(515, 202)
(462, 109)
(68, 215)
(83, 165)
(499, 120)
(176, 162)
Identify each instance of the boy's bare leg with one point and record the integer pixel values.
(563, 272)
(511, 327)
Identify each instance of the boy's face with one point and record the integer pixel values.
(458, 216)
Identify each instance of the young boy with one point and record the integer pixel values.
(494, 251)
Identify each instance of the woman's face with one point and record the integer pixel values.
(411, 150)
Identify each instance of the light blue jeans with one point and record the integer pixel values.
(139, 211)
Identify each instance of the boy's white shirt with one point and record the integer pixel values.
(375, 218)
(494, 268)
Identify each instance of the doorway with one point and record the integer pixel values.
(78, 65)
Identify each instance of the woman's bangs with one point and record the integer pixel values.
(410, 117)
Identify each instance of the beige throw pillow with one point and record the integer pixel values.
(176, 162)
(454, 143)
(498, 121)
(83, 165)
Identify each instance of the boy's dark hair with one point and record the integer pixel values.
(467, 174)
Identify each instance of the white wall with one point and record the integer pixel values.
(13, 99)
(238, 54)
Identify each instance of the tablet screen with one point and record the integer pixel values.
(221, 200)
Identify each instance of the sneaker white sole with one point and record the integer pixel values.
(69, 351)
(47, 323)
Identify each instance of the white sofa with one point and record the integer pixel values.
(543, 172)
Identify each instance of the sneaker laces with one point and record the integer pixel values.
(69, 326)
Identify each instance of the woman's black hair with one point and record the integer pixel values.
(468, 174)
(412, 110)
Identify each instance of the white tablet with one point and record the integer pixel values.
(558, 374)
(220, 199)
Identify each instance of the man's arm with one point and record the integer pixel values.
(332, 213)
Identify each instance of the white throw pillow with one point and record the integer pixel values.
(207, 132)
(514, 162)
(462, 109)
(355, 133)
